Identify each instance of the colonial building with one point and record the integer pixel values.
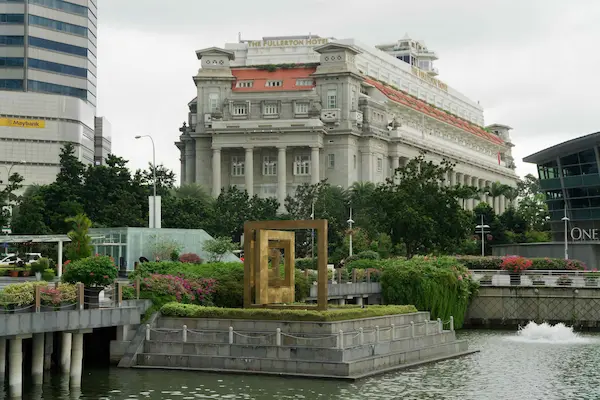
(271, 115)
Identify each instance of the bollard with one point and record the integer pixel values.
(412, 329)
(184, 334)
(231, 335)
(361, 336)
(148, 332)
(376, 334)
(440, 325)
(278, 338)
(339, 276)
(38, 300)
(451, 323)
(393, 332)
(340, 340)
(137, 287)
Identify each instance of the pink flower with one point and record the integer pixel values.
(91, 274)
(460, 278)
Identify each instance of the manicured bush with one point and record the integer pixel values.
(341, 314)
(364, 264)
(368, 255)
(302, 287)
(495, 263)
(91, 271)
(191, 258)
(65, 293)
(48, 275)
(19, 294)
(440, 285)
(175, 288)
(306, 263)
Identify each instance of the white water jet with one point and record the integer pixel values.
(546, 333)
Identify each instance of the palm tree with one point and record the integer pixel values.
(193, 191)
(496, 190)
(511, 193)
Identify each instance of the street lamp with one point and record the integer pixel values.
(8, 170)
(483, 228)
(350, 222)
(566, 220)
(153, 173)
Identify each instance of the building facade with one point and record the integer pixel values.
(48, 86)
(570, 179)
(273, 114)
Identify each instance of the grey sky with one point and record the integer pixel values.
(531, 63)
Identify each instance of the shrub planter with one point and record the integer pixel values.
(515, 279)
(591, 282)
(91, 297)
(13, 273)
(20, 309)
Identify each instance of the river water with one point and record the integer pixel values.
(540, 362)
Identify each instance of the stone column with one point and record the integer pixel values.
(37, 359)
(76, 360)
(2, 359)
(15, 367)
(216, 172)
(366, 167)
(48, 350)
(395, 164)
(359, 301)
(474, 182)
(489, 199)
(314, 171)
(281, 177)
(249, 171)
(453, 178)
(65, 352)
(190, 162)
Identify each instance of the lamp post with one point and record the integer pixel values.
(350, 222)
(483, 227)
(153, 174)
(566, 220)
(8, 170)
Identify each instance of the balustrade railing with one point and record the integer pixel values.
(537, 278)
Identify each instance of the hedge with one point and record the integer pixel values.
(494, 263)
(340, 314)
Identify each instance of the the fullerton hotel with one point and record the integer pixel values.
(271, 115)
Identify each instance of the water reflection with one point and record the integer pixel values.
(504, 369)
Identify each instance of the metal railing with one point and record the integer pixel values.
(341, 340)
(537, 278)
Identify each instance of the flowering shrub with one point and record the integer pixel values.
(495, 263)
(191, 258)
(65, 293)
(516, 264)
(91, 271)
(19, 294)
(190, 291)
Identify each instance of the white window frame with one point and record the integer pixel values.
(239, 110)
(332, 98)
(331, 160)
(304, 82)
(244, 84)
(379, 164)
(213, 102)
(301, 108)
(278, 83)
(302, 165)
(270, 166)
(238, 165)
(271, 109)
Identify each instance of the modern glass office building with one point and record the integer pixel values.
(48, 69)
(570, 178)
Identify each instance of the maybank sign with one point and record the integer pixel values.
(22, 123)
(289, 42)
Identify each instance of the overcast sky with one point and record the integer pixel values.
(533, 64)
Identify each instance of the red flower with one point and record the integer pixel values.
(105, 276)
(91, 274)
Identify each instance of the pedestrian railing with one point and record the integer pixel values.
(537, 278)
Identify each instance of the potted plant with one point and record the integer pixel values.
(486, 280)
(62, 297)
(591, 277)
(95, 273)
(515, 265)
(564, 280)
(538, 280)
(13, 273)
(39, 267)
(18, 297)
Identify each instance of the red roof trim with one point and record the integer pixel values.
(421, 106)
(259, 77)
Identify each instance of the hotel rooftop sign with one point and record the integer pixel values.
(289, 42)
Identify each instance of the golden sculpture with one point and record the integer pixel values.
(266, 239)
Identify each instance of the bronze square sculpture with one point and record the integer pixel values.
(263, 239)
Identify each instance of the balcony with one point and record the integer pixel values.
(331, 115)
(259, 124)
(357, 116)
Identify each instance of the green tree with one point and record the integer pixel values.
(187, 213)
(28, 215)
(165, 179)
(495, 190)
(81, 242)
(8, 198)
(218, 247)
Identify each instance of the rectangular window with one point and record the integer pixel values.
(331, 160)
(57, 46)
(244, 84)
(238, 166)
(213, 102)
(301, 108)
(12, 40)
(11, 62)
(12, 19)
(58, 25)
(379, 164)
(332, 98)
(11, 84)
(45, 87)
(271, 109)
(302, 165)
(56, 67)
(274, 84)
(269, 166)
(240, 109)
(62, 5)
(304, 82)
